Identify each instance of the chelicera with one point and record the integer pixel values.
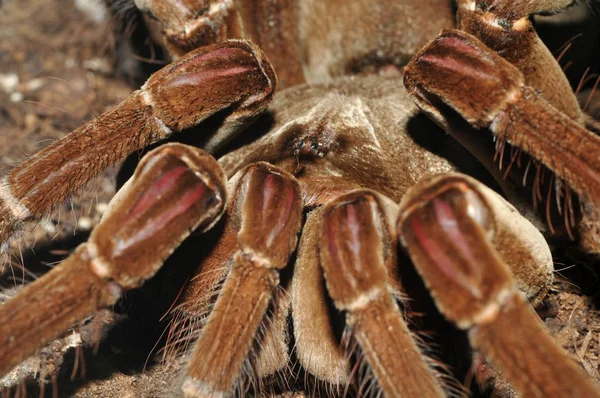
(337, 190)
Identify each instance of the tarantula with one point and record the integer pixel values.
(335, 187)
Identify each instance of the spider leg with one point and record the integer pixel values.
(174, 190)
(357, 248)
(187, 25)
(505, 27)
(267, 207)
(457, 71)
(233, 76)
(196, 303)
(448, 227)
(308, 40)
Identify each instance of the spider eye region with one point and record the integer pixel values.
(341, 120)
(310, 148)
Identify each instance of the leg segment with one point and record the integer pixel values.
(233, 75)
(458, 71)
(518, 243)
(505, 27)
(358, 246)
(126, 248)
(268, 210)
(448, 228)
(187, 25)
(199, 294)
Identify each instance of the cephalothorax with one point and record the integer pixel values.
(345, 184)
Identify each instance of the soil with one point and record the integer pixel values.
(57, 71)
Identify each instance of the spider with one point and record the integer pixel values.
(337, 191)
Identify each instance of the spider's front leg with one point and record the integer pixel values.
(456, 71)
(266, 211)
(456, 232)
(464, 240)
(175, 189)
(357, 252)
(186, 25)
(233, 76)
(505, 27)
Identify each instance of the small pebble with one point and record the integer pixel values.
(34, 84)
(93, 9)
(70, 63)
(8, 82)
(16, 97)
(85, 223)
(31, 121)
(101, 207)
(100, 65)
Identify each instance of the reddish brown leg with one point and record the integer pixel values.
(457, 70)
(268, 208)
(358, 246)
(125, 249)
(233, 75)
(505, 27)
(446, 226)
(187, 25)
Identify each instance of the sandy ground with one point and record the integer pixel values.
(56, 72)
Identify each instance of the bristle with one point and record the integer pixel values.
(500, 143)
(548, 202)
(526, 172)
(558, 187)
(561, 202)
(537, 188)
(514, 153)
(591, 96)
(582, 80)
(186, 323)
(569, 214)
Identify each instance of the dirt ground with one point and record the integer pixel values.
(57, 71)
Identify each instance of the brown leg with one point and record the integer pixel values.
(505, 27)
(272, 354)
(518, 243)
(233, 75)
(268, 208)
(187, 25)
(458, 70)
(125, 249)
(446, 227)
(358, 246)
